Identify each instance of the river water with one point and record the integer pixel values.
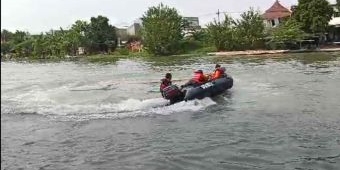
(282, 113)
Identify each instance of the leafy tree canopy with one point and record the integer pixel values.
(289, 31)
(101, 34)
(162, 30)
(314, 15)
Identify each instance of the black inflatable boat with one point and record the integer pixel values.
(209, 89)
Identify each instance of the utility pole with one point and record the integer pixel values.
(218, 15)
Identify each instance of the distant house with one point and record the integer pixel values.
(135, 28)
(81, 51)
(192, 24)
(336, 10)
(122, 33)
(334, 24)
(335, 21)
(276, 14)
(122, 36)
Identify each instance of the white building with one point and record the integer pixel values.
(135, 28)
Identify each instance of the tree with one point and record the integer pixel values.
(162, 30)
(56, 43)
(38, 46)
(19, 36)
(101, 35)
(24, 48)
(287, 35)
(314, 15)
(5, 48)
(6, 44)
(241, 34)
(221, 34)
(76, 35)
(6, 35)
(200, 35)
(250, 28)
(289, 31)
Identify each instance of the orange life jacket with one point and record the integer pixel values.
(199, 78)
(217, 74)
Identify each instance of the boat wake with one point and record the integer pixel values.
(102, 86)
(129, 108)
(96, 100)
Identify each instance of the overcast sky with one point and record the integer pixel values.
(38, 16)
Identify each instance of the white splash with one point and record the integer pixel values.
(125, 109)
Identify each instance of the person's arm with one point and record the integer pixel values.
(187, 83)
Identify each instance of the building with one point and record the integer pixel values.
(335, 21)
(336, 10)
(333, 34)
(334, 31)
(135, 28)
(81, 51)
(276, 14)
(122, 36)
(122, 33)
(191, 25)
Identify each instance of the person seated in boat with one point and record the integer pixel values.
(169, 91)
(165, 82)
(198, 79)
(219, 72)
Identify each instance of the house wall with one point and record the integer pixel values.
(193, 23)
(272, 23)
(133, 29)
(122, 33)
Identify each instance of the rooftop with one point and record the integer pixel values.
(276, 11)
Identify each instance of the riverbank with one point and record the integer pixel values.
(98, 58)
(262, 52)
(111, 58)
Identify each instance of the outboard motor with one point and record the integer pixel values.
(171, 92)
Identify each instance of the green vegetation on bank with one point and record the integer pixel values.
(241, 34)
(95, 37)
(164, 32)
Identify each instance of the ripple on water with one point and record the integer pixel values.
(282, 113)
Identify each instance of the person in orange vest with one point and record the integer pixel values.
(218, 73)
(198, 79)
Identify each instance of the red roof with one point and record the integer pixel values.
(276, 11)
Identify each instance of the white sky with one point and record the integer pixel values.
(38, 16)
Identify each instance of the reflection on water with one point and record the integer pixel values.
(282, 113)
